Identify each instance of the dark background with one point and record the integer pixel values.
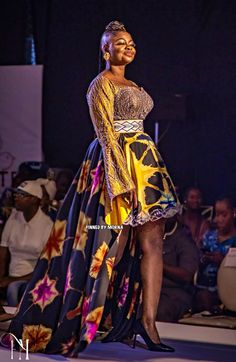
(185, 47)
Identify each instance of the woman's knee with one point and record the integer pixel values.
(150, 236)
(13, 293)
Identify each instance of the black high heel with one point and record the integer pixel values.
(158, 347)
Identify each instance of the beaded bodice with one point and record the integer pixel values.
(132, 103)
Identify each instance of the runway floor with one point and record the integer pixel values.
(192, 343)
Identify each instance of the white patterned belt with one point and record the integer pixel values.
(128, 125)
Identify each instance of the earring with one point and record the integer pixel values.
(106, 56)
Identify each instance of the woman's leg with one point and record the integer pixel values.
(150, 236)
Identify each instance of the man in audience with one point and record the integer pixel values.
(23, 238)
(180, 263)
(29, 170)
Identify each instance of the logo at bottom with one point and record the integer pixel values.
(13, 338)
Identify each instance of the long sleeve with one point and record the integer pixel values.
(100, 99)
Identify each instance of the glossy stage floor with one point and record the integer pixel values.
(192, 343)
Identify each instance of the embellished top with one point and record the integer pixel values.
(132, 102)
(109, 101)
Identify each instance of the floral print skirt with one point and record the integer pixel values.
(75, 289)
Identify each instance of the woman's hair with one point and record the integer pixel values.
(228, 200)
(191, 188)
(112, 28)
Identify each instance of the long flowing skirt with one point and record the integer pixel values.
(75, 288)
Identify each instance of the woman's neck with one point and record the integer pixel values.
(118, 72)
(193, 213)
(29, 213)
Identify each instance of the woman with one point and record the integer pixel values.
(88, 275)
(216, 244)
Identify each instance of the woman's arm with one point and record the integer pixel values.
(4, 282)
(100, 98)
(4, 261)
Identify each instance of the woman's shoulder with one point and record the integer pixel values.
(211, 236)
(100, 82)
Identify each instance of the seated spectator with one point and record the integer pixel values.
(180, 263)
(216, 244)
(49, 192)
(192, 215)
(63, 182)
(30, 170)
(23, 238)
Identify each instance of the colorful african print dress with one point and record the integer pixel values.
(76, 289)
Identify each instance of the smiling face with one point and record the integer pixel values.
(120, 47)
(193, 199)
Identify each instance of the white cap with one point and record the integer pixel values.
(50, 186)
(32, 188)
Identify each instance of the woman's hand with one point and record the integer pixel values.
(5, 281)
(132, 198)
(212, 257)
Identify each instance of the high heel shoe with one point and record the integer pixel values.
(158, 347)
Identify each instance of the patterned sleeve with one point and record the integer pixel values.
(100, 99)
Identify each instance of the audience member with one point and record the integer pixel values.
(180, 263)
(63, 182)
(49, 192)
(192, 215)
(30, 170)
(23, 238)
(216, 244)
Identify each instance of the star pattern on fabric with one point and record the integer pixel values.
(97, 176)
(92, 322)
(54, 244)
(133, 300)
(81, 234)
(98, 260)
(123, 291)
(109, 265)
(76, 311)
(38, 336)
(44, 292)
(68, 346)
(83, 176)
(111, 285)
(85, 308)
(69, 277)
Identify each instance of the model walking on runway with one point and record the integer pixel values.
(104, 256)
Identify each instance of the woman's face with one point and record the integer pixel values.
(224, 216)
(121, 48)
(194, 199)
